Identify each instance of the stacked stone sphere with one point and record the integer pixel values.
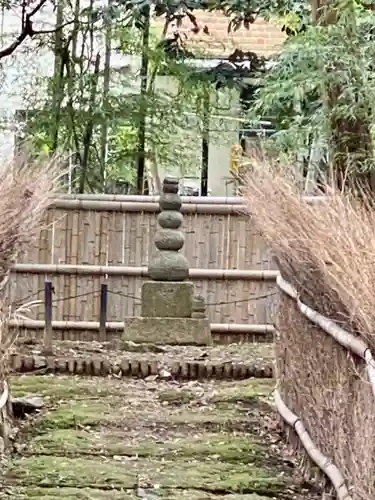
(168, 263)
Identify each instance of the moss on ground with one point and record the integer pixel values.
(231, 392)
(175, 397)
(63, 388)
(58, 388)
(97, 437)
(243, 391)
(109, 414)
(223, 446)
(79, 414)
(37, 493)
(214, 476)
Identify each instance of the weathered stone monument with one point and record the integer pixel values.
(171, 313)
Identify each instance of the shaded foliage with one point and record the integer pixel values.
(321, 88)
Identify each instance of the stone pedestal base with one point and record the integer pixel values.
(172, 331)
(170, 299)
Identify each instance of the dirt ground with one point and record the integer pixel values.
(106, 438)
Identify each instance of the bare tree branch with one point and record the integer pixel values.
(27, 30)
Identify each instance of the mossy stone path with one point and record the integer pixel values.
(99, 438)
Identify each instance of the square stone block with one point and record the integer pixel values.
(172, 331)
(172, 299)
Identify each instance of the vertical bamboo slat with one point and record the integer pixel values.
(226, 241)
(73, 304)
(232, 243)
(103, 238)
(134, 240)
(84, 238)
(145, 239)
(111, 229)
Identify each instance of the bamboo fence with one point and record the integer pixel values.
(106, 230)
(91, 239)
(330, 408)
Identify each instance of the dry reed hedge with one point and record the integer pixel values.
(326, 250)
(328, 389)
(26, 190)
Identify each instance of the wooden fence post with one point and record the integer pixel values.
(103, 312)
(47, 340)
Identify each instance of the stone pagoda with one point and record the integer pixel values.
(171, 313)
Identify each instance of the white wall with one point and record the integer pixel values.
(17, 84)
(222, 135)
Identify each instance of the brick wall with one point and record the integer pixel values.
(262, 37)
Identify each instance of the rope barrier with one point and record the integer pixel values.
(26, 299)
(239, 301)
(125, 295)
(84, 294)
(137, 299)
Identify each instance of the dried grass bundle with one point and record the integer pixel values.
(326, 248)
(329, 391)
(26, 190)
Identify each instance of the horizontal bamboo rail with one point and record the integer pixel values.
(350, 342)
(5, 417)
(4, 396)
(119, 326)
(186, 200)
(194, 273)
(323, 462)
(196, 205)
(240, 328)
(131, 206)
(191, 200)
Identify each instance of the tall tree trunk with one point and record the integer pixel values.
(58, 75)
(106, 81)
(74, 143)
(141, 142)
(87, 137)
(151, 163)
(205, 142)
